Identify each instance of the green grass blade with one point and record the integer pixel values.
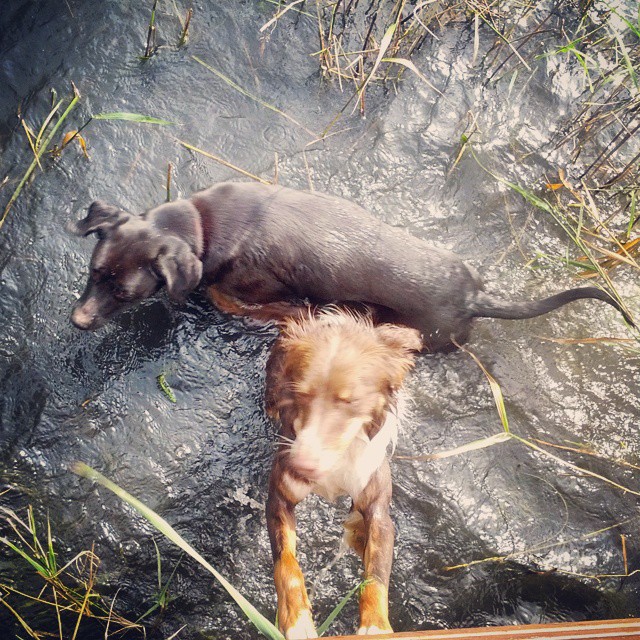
(42, 570)
(627, 59)
(482, 443)
(163, 597)
(584, 266)
(51, 554)
(633, 27)
(159, 562)
(412, 67)
(151, 33)
(259, 621)
(36, 160)
(32, 528)
(384, 45)
(322, 629)
(495, 389)
(45, 124)
(632, 212)
(148, 612)
(132, 117)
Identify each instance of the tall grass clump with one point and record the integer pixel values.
(40, 144)
(364, 42)
(53, 591)
(596, 198)
(602, 137)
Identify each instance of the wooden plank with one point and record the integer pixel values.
(627, 628)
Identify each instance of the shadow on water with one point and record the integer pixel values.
(203, 461)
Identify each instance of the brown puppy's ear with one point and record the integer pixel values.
(404, 340)
(179, 267)
(398, 337)
(101, 216)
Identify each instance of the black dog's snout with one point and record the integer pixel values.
(78, 323)
(82, 319)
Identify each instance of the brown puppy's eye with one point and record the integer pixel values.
(302, 396)
(345, 398)
(285, 398)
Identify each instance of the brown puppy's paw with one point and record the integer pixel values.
(374, 630)
(302, 628)
(374, 617)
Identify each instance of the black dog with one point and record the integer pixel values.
(275, 248)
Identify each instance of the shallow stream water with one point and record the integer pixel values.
(202, 463)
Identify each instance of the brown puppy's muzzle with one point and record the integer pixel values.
(311, 455)
(307, 466)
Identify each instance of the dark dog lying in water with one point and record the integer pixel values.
(332, 387)
(267, 249)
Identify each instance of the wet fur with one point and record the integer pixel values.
(268, 250)
(332, 385)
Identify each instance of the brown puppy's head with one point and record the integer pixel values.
(336, 378)
(131, 261)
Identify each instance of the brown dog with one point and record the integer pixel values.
(279, 248)
(332, 384)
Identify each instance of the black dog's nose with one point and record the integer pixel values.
(82, 320)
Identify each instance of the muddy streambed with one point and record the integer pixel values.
(202, 462)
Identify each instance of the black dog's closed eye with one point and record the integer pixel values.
(122, 294)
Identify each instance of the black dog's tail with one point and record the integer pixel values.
(487, 306)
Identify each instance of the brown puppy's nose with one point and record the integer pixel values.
(307, 466)
(82, 319)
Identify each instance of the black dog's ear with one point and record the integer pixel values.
(179, 267)
(101, 216)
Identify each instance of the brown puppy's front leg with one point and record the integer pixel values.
(372, 535)
(294, 610)
(265, 312)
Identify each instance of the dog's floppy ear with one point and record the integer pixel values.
(398, 337)
(101, 216)
(402, 339)
(179, 267)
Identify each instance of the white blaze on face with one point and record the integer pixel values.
(325, 435)
(307, 450)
